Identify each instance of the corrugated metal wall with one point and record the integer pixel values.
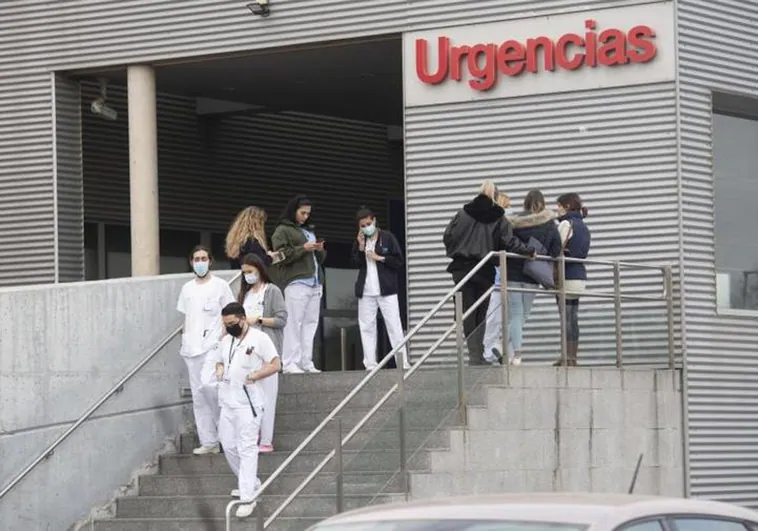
(211, 167)
(68, 180)
(38, 37)
(717, 53)
(616, 147)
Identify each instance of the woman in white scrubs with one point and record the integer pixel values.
(201, 301)
(266, 311)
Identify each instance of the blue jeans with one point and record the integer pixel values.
(519, 307)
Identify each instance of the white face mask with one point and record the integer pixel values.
(369, 230)
(251, 278)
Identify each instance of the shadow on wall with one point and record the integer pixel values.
(64, 347)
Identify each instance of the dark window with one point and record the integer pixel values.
(707, 524)
(118, 239)
(90, 236)
(735, 165)
(218, 248)
(648, 525)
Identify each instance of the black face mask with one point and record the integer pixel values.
(234, 330)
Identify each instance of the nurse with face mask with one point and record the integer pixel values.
(379, 258)
(201, 301)
(266, 311)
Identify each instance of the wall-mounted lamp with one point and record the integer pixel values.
(260, 8)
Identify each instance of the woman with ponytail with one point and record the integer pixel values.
(265, 310)
(575, 243)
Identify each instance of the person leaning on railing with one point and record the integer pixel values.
(534, 223)
(575, 243)
(476, 230)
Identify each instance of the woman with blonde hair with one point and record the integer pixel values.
(247, 235)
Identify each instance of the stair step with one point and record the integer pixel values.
(428, 417)
(310, 505)
(201, 524)
(222, 484)
(323, 402)
(379, 439)
(434, 378)
(380, 460)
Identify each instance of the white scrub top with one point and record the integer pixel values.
(240, 358)
(201, 304)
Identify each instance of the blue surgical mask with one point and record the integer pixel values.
(369, 230)
(251, 278)
(200, 268)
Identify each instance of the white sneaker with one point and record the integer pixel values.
(205, 450)
(312, 370)
(293, 369)
(516, 360)
(235, 493)
(243, 511)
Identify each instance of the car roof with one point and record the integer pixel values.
(577, 508)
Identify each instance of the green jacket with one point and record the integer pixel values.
(297, 263)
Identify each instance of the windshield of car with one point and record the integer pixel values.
(451, 525)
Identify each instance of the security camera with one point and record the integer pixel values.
(101, 109)
(260, 8)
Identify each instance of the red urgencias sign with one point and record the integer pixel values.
(610, 47)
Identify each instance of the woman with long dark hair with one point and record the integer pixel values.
(265, 310)
(300, 272)
(575, 242)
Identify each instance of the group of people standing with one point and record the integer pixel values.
(235, 347)
(487, 224)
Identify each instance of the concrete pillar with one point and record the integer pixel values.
(143, 171)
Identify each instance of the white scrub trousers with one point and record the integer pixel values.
(204, 402)
(390, 308)
(303, 304)
(238, 429)
(271, 392)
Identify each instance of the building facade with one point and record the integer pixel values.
(647, 109)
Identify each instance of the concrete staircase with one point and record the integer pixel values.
(190, 493)
(544, 429)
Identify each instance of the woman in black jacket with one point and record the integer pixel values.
(247, 235)
(476, 230)
(378, 255)
(534, 223)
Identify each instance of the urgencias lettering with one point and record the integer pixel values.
(610, 47)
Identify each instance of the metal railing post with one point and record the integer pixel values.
(669, 280)
(459, 338)
(617, 313)
(504, 315)
(260, 522)
(562, 307)
(401, 419)
(339, 470)
(343, 348)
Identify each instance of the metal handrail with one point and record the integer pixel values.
(50, 450)
(366, 379)
(460, 316)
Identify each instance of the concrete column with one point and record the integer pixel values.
(143, 171)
